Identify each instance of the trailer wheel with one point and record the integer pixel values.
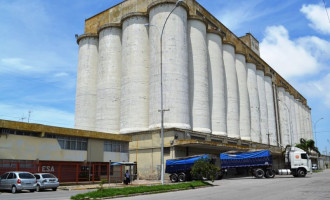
(182, 177)
(270, 174)
(301, 173)
(259, 173)
(174, 178)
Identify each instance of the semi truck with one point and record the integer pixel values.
(258, 163)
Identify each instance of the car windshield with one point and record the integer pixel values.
(48, 176)
(26, 176)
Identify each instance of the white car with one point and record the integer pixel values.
(314, 166)
(46, 181)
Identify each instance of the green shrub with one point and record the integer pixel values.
(203, 168)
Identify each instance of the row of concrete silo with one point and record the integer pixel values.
(208, 87)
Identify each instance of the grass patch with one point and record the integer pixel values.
(111, 192)
(317, 170)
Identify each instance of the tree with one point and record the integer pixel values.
(308, 146)
(204, 168)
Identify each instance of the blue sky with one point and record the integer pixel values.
(38, 52)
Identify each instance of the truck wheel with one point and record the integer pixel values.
(301, 173)
(174, 178)
(270, 174)
(259, 173)
(182, 177)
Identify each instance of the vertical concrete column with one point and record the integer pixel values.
(263, 107)
(217, 81)
(198, 76)
(284, 117)
(175, 67)
(109, 80)
(308, 134)
(86, 82)
(270, 110)
(297, 116)
(244, 102)
(254, 102)
(232, 91)
(310, 124)
(293, 118)
(135, 75)
(302, 121)
(290, 122)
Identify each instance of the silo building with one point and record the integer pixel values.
(217, 93)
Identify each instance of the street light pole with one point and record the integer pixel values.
(161, 88)
(315, 130)
(290, 125)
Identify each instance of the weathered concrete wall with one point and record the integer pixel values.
(270, 110)
(198, 76)
(244, 102)
(263, 107)
(217, 84)
(233, 128)
(86, 83)
(32, 148)
(135, 75)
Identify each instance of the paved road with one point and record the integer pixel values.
(44, 195)
(315, 186)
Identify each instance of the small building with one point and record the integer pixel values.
(72, 155)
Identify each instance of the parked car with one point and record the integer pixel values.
(16, 181)
(46, 181)
(314, 166)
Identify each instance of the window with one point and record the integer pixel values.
(4, 176)
(303, 156)
(20, 132)
(10, 176)
(115, 146)
(167, 150)
(37, 176)
(70, 142)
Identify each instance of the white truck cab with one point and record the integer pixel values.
(299, 161)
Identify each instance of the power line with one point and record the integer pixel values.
(326, 10)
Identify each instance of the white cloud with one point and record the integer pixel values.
(317, 89)
(39, 114)
(61, 74)
(292, 58)
(318, 17)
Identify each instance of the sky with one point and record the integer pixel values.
(38, 52)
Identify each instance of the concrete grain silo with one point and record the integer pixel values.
(135, 74)
(217, 82)
(297, 116)
(293, 119)
(254, 102)
(109, 79)
(270, 110)
(218, 94)
(263, 107)
(175, 67)
(198, 76)
(245, 117)
(85, 111)
(232, 91)
(284, 118)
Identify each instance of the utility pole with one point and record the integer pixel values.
(29, 116)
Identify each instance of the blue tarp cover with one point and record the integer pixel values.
(182, 165)
(258, 158)
(190, 160)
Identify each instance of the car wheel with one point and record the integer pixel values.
(54, 189)
(13, 189)
(38, 188)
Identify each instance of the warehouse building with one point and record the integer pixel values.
(218, 93)
(72, 155)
